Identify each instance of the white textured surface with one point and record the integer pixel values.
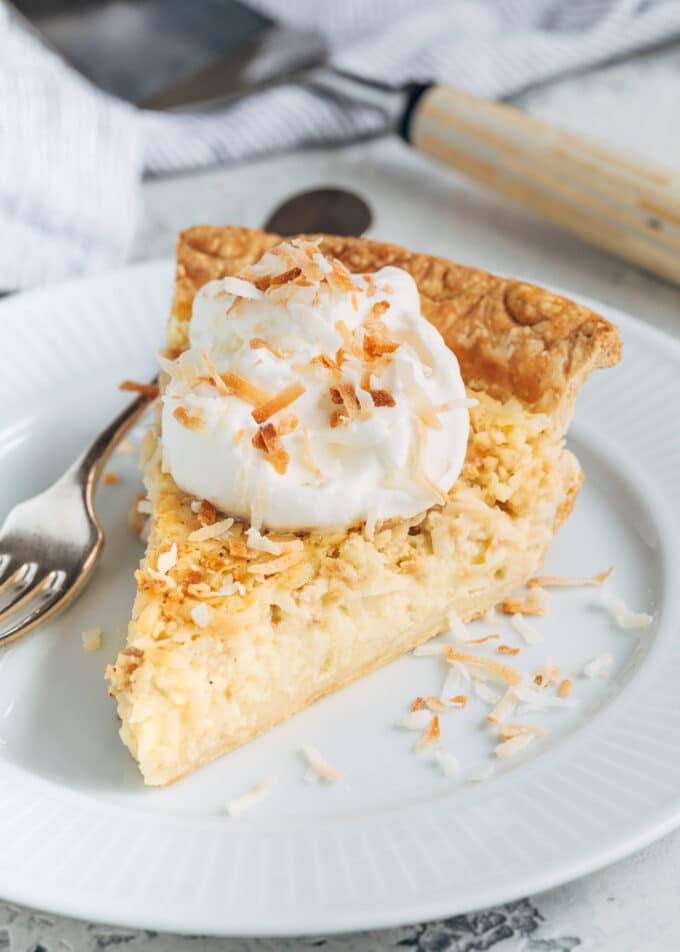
(633, 904)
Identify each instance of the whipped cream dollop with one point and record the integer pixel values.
(311, 397)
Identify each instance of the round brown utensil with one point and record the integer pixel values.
(331, 211)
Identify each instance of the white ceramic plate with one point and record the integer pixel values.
(395, 841)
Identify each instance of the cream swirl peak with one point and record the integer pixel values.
(314, 398)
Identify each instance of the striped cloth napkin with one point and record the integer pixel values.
(72, 158)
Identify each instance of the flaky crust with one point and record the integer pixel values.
(512, 339)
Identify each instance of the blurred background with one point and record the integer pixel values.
(125, 120)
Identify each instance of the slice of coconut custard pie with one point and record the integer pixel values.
(353, 444)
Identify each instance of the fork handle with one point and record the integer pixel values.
(87, 468)
(628, 207)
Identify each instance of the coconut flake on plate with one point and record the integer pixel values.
(527, 631)
(415, 720)
(508, 748)
(505, 706)
(92, 639)
(451, 684)
(624, 616)
(447, 762)
(318, 767)
(258, 793)
(485, 693)
(599, 666)
(565, 581)
(538, 699)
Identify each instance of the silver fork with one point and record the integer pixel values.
(50, 543)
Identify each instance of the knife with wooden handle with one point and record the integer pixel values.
(624, 205)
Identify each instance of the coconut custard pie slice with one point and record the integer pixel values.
(334, 511)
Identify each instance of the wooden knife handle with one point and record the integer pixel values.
(626, 206)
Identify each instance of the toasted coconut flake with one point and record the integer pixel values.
(207, 513)
(480, 666)
(267, 440)
(349, 339)
(423, 407)
(110, 478)
(260, 543)
(531, 604)
(239, 287)
(149, 579)
(507, 650)
(513, 746)
(459, 700)
(144, 389)
(274, 566)
(286, 424)
(431, 734)
(214, 376)
(244, 389)
(547, 676)
(447, 762)
(434, 704)
(92, 639)
(318, 767)
(623, 616)
(187, 420)
(323, 360)
(527, 631)
(279, 401)
(214, 531)
(481, 773)
(286, 277)
(479, 641)
(504, 707)
(200, 615)
(237, 548)
(382, 398)
(167, 560)
(259, 792)
(599, 667)
(565, 687)
(344, 395)
(546, 581)
(508, 731)
(376, 342)
(415, 720)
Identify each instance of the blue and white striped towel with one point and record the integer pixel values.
(71, 158)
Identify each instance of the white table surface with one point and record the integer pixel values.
(635, 106)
